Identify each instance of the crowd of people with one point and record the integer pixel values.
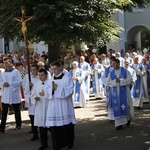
(50, 93)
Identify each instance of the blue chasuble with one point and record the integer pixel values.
(108, 89)
(99, 79)
(119, 100)
(77, 85)
(136, 90)
(85, 67)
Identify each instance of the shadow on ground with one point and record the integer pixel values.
(92, 132)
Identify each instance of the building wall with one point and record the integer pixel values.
(40, 47)
(138, 17)
(120, 44)
(133, 23)
(2, 45)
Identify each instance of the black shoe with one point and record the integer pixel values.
(2, 130)
(30, 132)
(43, 147)
(129, 121)
(17, 128)
(70, 146)
(34, 138)
(119, 127)
(139, 108)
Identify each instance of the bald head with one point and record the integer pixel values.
(82, 59)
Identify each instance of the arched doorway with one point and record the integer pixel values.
(133, 36)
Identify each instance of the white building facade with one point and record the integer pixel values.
(132, 23)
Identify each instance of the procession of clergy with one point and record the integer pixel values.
(53, 93)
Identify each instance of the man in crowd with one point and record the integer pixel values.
(108, 89)
(97, 85)
(86, 71)
(137, 88)
(119, 80)
(79, 92)
(11, 80)
(41, 102)
(27, 91)
(60, 114)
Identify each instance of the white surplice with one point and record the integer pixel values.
(87, 71)
(11, 94)
(145, 86)
(60, 107)
(1, 86)
(41, 105)
(27, 93)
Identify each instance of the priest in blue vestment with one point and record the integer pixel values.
(97, 70)
(119, 80)
(85, 67)
(137, 89)
(108, 90)
(79, 92)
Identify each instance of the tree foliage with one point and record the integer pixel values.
(145, 38)
(64, 21)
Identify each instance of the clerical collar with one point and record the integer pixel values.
(9, 70)
(118, 68)
(58, 74)
(58, 77)
(43, 82)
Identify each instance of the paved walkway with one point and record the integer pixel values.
(93, 131)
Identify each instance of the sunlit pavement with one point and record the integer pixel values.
(92, 132)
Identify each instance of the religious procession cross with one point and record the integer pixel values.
(23, 21)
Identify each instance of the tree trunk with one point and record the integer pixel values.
(53, 52)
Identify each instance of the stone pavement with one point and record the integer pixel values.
(92, 132)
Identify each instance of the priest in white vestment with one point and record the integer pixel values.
(118, 56)
(104, 61)
(131, 70)
(127, 57)
(60, 115)
(119, 80)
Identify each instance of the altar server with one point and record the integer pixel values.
(41, 102)
(60, 114)
(11, 81)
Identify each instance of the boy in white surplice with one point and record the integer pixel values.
(41, 102)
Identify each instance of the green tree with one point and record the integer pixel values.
(63, 22)
(145, 38)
